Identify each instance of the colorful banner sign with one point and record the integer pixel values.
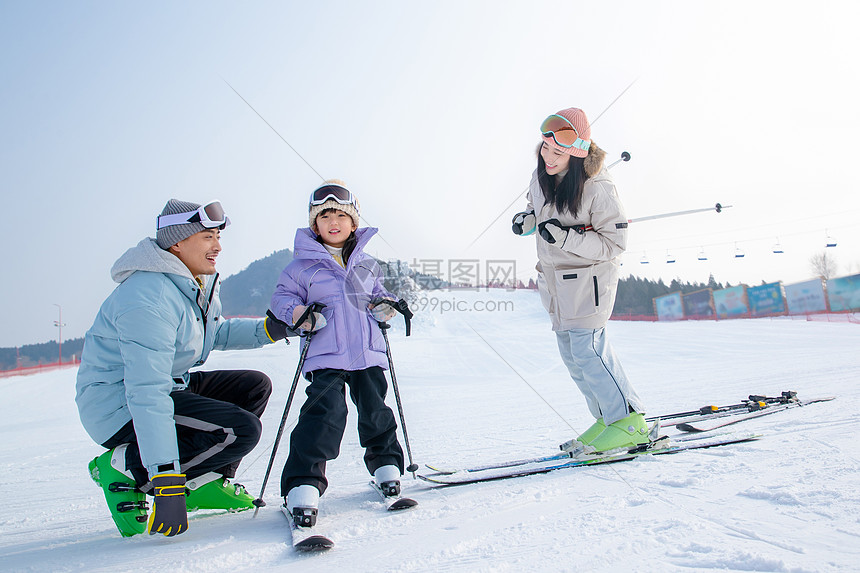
(844, 293)
(698, 304)
(731, 302)
(669, 307)
(806, 297)
(766, 299)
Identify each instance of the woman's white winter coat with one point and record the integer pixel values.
(578, 279)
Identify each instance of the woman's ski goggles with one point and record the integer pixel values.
(563, 133)
(340, 194)
(210, 216)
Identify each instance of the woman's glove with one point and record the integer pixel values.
(383, 310)
(523, 223)
(552, 233)
(169, 515)
(313, 322)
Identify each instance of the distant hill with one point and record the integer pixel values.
(248, 293)
(35, 354)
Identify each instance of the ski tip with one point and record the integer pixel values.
(314, 543)
(685, 427)
(402, 503)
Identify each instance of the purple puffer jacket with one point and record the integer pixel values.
(351, 339)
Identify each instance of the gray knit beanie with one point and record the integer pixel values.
(168, 236)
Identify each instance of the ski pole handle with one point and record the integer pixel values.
(624, 157)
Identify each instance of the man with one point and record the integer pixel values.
(175, 435)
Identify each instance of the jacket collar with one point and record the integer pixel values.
(306, 245)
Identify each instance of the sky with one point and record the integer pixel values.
(429, 112)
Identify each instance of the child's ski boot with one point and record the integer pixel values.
(301, 503)
(213, 491)
(126, 503)
(388, 480)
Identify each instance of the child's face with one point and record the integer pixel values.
(334, 226)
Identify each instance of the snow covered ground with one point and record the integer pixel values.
(787, 502)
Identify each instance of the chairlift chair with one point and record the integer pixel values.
(777, 248)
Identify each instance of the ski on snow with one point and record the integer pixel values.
(441, 469)
(393, 503)
(754, 403)
(661, 446)
(708, 424)
(305, 538)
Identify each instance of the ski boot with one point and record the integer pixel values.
(585, 438)
(302, 502)
(127, 504)
(213, 491)
(627, 432)
(388, 480)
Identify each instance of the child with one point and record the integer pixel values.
(329, 267)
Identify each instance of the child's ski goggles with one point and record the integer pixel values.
(563, 133)
(210, 216)
(340, 194)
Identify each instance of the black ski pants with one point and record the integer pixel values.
(322, 421)
(217, 423)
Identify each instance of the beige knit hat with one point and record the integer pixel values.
(352, 208)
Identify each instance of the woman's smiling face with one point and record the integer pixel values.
(556, 161)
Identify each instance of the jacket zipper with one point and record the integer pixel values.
(596, 295)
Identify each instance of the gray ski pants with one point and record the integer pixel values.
(597, 372)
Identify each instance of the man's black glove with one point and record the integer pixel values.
(169, 515)
(276, 329)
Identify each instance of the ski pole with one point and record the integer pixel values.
(755, 402)
(718, 208)
(412, 467)
(312, 308)
(624, 157)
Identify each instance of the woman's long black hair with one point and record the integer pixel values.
(567, 195)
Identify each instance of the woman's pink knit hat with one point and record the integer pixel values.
(577, 118)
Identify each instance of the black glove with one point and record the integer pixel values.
(523, 223)
(276, 329)
(169, 515)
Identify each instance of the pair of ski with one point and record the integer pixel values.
(520, 468)
(305, 539)
(705, 419)
(709, 418)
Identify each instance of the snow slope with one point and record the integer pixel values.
(478, 386)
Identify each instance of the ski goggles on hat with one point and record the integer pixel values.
(563, 133)
(210, 216)
(340, 194)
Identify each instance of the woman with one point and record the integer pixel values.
(581, 232)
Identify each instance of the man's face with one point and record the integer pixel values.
(199, 251)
